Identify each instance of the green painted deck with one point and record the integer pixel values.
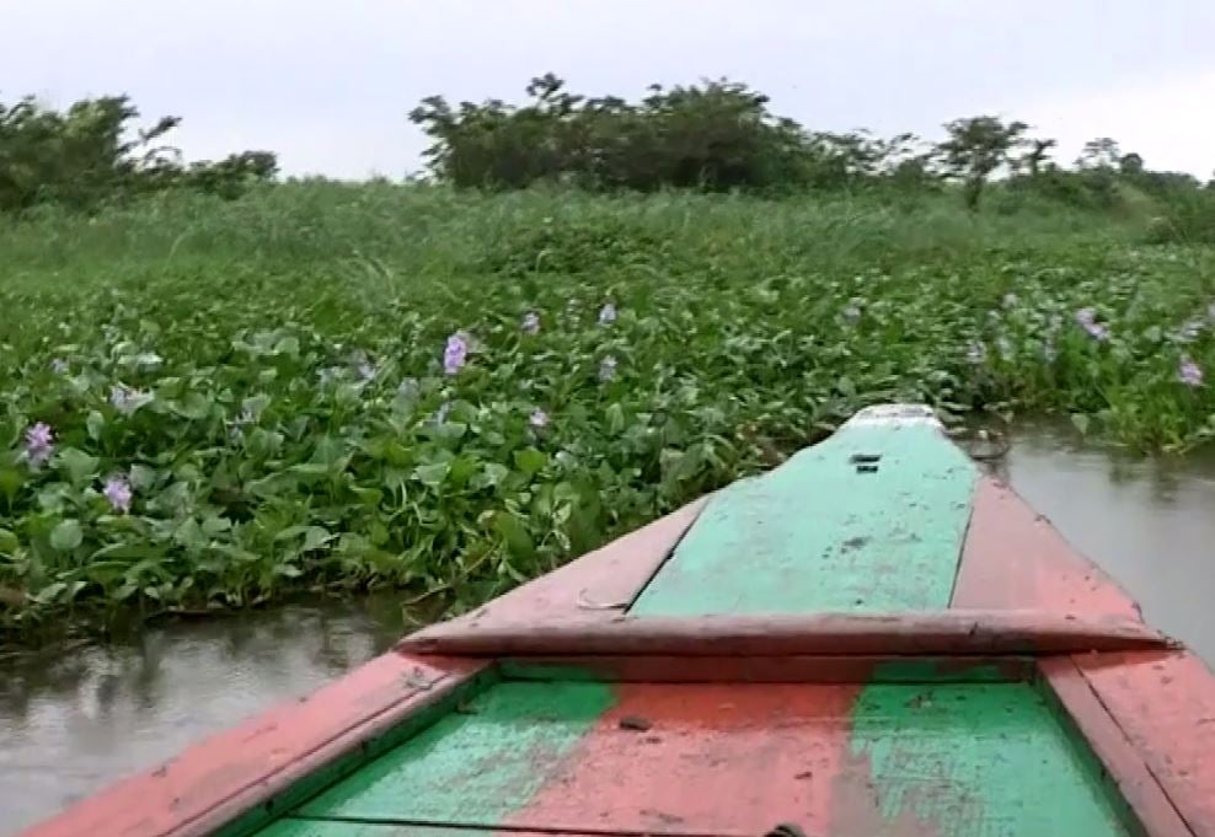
(826, 533)
(474, 767)
(979, 759)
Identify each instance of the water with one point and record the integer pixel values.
(70, 723)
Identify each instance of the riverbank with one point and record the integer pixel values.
(209, 404)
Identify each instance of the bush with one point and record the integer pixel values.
(85, 156)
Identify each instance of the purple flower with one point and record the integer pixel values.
(127, 400)
(1010, 300)
(538, 418)
(1189, 372)
(607, 368)
(456, 353)
(852, 314)
(1087, 318)
(59, 366)
(607, 314)
(531, 322)
(976, 353)
(118, 491)
(39, 443)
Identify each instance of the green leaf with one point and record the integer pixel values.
(615, 419)
(78, 464)
(432, 475)
(530, 461)
(67, 535)
(95, 423)
(515, 534)
(1081, 423)
(315, 537)
(8, 541)
(194, 406)
(11, 481)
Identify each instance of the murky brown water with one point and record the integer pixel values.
(71, 723)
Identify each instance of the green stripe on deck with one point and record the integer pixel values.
(474, 767)
(979, 760)
(818, 535)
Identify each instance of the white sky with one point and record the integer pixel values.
(328, 84)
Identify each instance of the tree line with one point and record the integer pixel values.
(720, 135)
(89, 155)
(717, 135)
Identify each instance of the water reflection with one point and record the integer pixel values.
(1149, 522)
(75, 721)
(72, 722)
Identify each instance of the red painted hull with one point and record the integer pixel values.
(1022, 602)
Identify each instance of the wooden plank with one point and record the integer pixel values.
(722, 759)
(946, 632)
(1124, 765)
(596, 587)
(859, 668)
(1165, 705)
(1014, 558)
(828, 533)
(474, 767)
(292, 827)
(972, 759)
(215, 781)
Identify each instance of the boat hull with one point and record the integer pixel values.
(874, 638)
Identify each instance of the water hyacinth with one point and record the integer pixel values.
(1189, 372)
(607, 314)
(1050, 353)
(118, 492)
(531, 323)
(538, 419)
(455, 354)
(1004, 347)
(127, 400)
(1190, 331)
(39, 443)
(607, 368)
(1087, 318)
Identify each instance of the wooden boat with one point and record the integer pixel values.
(872, 639)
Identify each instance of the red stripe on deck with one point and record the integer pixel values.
(1013, 558)
(1165, 704)
(704, 759)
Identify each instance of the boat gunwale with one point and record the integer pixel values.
(920, 633)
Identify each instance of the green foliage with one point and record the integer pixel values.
(975, 148)
(266, 374)
(716, 136)
(89, 155)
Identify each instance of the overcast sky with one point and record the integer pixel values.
(328, 84)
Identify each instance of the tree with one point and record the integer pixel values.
(1100, 153)
(976, 147)
(1037, 155)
